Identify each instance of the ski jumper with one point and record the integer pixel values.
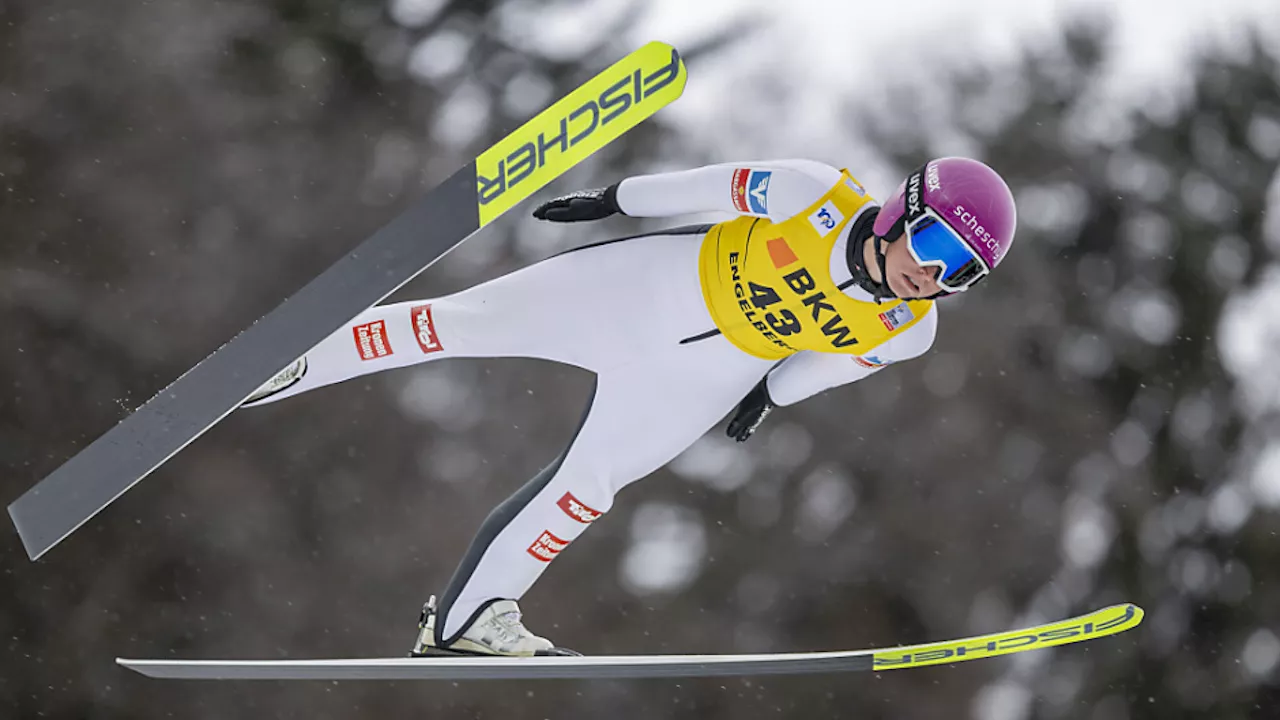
(677, 326)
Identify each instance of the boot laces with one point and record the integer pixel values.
(509, 626)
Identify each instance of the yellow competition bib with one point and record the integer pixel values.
(769, 288)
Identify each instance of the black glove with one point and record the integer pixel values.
(753, 409)
(582, 205)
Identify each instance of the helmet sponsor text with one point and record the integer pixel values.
(931, 178)
(970, 220)
(913, 196)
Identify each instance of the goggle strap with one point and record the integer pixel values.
(884, 272)
(897, 229)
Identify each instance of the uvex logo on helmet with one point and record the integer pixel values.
(913, 195)
(931, 178)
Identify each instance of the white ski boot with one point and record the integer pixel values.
(283, 379)
(497, 630)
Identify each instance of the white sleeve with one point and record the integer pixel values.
(776, 189)
(808, 373)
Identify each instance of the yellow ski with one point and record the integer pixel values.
(579, 124)
(1097, 624)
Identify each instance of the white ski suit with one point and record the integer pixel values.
(633, 312)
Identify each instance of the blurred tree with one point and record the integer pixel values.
(1135, 232)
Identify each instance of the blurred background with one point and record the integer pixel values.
(1095, 424)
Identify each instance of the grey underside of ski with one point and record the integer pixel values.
(180, 413)
(505, 668)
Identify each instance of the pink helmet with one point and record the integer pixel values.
(972, 198)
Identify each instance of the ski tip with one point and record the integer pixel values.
(1133, 615)
(1097, 624)
(590, 117)
(1138, 612)
(659, 50)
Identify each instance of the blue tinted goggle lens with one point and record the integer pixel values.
(933, 242)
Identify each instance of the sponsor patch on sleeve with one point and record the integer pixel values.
(870, 362)
(739, 189)
(371, 340)
(897, 316)
(758, 192)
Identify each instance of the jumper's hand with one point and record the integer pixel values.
(582, 205)
(752, 411)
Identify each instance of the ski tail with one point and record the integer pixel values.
(533, 155)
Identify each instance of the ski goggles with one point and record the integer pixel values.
(932, 243)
